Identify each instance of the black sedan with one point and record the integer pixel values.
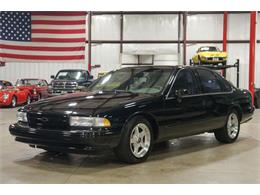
(130, 109)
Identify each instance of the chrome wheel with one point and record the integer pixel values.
(140, 140)
(13, 102)
(232, 125)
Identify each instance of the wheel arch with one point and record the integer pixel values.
(238, 109)
(13, 96)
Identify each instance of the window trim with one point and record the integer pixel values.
(195, 95)
(194, 79)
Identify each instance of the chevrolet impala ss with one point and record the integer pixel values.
(130, 109)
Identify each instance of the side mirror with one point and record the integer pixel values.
(52, 76)
(91, 77)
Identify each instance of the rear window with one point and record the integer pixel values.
(226, 85)
(209, 82)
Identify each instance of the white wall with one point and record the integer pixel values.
(14, 70)
(152, 27)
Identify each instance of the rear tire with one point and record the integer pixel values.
(136, 142)
(229, 133)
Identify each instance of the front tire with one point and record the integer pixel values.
(229, 133)
(136, 142)
(13, 102)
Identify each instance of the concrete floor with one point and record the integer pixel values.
(197, 159)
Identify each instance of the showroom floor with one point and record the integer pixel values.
(197, 159)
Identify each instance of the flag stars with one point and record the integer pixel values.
(15, 26)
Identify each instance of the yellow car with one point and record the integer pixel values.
(210, 55)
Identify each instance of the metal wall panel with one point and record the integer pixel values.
(105, 27)
(205, 27)
(151, 27)
(106, 55)
(241, 52)
(238, 26)
(15, 70)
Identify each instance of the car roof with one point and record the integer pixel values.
(151, 66)
(30, 79)
(72, 70)
(175, 67)
(163, 66)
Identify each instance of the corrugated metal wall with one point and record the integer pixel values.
(13, 71)
(152, 27)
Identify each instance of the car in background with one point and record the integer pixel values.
(130, 109)
(38, 87)
(209, 55)
(69, 81)
(11, 96)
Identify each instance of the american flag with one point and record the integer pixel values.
(42, 36)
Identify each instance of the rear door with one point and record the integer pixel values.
(183, 116)
(216, 98)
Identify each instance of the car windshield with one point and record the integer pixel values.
(202, 49)
(70, 75)
(27, 82)
(134, 80)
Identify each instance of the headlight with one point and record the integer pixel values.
(22, 116)
(89, 121)
(34, 91)
(6, 96)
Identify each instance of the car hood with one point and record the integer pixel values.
(87, 103)
(213, 54)
(4, 91)
(28, 87)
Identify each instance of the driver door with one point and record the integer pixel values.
(184, 107)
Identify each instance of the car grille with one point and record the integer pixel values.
(48, 121)
(65, 85)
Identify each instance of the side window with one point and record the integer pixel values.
(184, 81)
(209, 82)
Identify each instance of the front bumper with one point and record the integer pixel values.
(4, 103)
(75, 141)
(208, 61)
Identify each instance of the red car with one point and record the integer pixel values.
(38, 87)
(12, 96)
